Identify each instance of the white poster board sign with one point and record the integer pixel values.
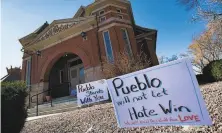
(166, 94)
(92, 92)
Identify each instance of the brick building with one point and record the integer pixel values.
(13, 74)
(69, 51)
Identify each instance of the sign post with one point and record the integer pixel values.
(162, 95)
(92, 92)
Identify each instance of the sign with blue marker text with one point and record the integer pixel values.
(92, 92)
(162, 95)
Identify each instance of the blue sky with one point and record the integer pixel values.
(19, 18)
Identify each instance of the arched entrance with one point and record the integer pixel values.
(65, 74)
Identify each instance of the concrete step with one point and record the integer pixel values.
(54, 107)
(53, 111)
(58, 105)
(58, 101)
(46, 105)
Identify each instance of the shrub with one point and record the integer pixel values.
(14, 112)
(124, 63)
(213, 71)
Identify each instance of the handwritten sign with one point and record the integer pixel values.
(92, 92)
(166, 94)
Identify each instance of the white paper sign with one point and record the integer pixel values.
(166, 94)
(92, 92)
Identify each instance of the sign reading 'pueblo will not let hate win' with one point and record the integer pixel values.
(167, 94)
(92, 92)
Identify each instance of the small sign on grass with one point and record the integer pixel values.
(166, 94)
(92, 92)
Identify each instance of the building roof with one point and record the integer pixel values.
(3, 78)
(14, 74)
(142, 32)
(28, 38)
(41, 28)
(11, 77)
(140, 29)
(80, 11)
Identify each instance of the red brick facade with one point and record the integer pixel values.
(93, 48)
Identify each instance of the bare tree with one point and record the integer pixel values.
(198, 65)
(125, 63)
(207, 47)
(208, 10)
(164, 59)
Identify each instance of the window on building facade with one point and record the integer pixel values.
(101, 12)
(28, 72)
(102, 19)
(61, 76)
(120, 16)
(118, 10)
(126, 41)
(108, 46)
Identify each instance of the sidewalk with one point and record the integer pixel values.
(42, 116)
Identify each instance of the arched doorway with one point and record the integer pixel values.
(65, 74)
